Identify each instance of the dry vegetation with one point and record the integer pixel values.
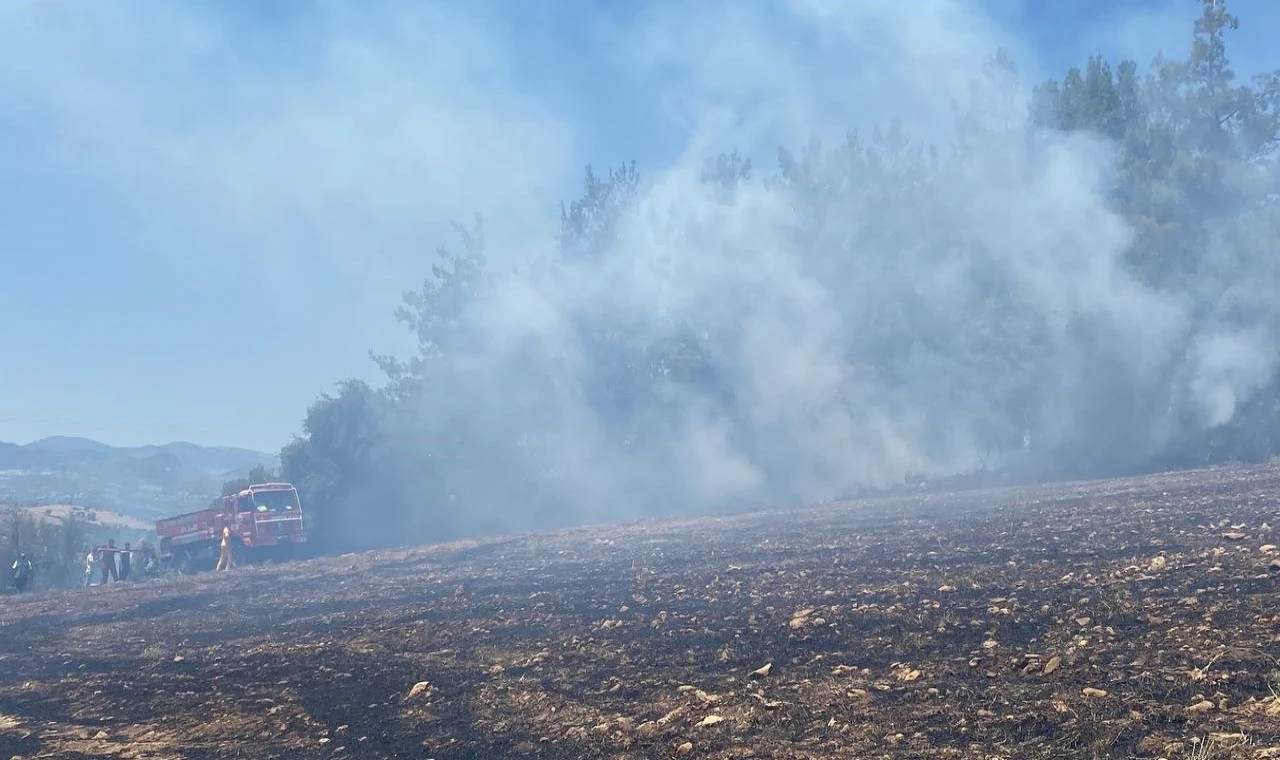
(57, 513)
(1127, 618)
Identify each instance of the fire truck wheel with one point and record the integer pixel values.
(182, 563)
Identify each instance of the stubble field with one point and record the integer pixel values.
(1122, 618)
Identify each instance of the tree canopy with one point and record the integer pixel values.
(1078, 287)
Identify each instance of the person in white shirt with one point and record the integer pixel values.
(22, 571)
(89, 563)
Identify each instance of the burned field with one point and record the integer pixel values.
(1125, 618)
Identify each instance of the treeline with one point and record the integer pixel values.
(1079, 284)
(56, 547)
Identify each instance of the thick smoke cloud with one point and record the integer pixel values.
(793, 310)
(1078, 368)
(994, 282)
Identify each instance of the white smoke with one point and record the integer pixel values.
(996, 282)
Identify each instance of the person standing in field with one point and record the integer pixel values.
(109, 562)
(22, 571)
(150, 562)
(224, 557)
(126, 561)
(89, 561)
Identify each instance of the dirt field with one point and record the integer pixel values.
(1129, 618)
(104, 518)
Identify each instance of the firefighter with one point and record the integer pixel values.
(21, 572)
(224, 558)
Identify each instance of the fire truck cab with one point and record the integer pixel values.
(266, 523)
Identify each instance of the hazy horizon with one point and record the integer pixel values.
(201, 444)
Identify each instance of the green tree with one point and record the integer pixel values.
(726, 172)
(1195, 143)
(348, 488)
(1196, 183)
(255, 476)
(636, 358)
(589, 225)
(437, 312)
(54, 546)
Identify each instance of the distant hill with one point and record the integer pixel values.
(67, 445)
(142, 481)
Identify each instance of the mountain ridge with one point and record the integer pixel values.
(140, 481)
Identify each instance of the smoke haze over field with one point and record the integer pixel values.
(883, 313)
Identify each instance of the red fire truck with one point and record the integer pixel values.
(265, 521)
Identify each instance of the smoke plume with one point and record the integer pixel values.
(923, 284)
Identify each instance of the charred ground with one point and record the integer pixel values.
(1135, 617)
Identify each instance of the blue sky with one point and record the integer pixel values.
(212, 207)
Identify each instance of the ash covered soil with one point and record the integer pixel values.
(1122, 618)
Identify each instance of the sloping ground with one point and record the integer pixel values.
(1115, 619)
(103, 518)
